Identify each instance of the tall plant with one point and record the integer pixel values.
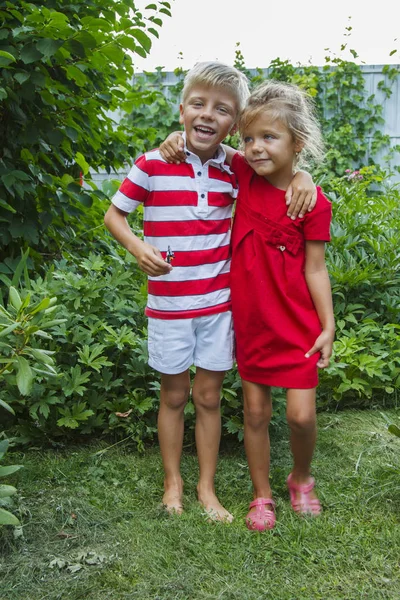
(64, 70)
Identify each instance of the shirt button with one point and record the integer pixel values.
(187, 153)
(199, 173)
(203, 195)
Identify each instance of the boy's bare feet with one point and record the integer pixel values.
(213, 507)
(172, 498)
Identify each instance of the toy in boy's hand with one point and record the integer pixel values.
(169, 256)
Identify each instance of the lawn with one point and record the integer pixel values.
(93, 528)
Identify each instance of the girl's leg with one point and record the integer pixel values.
(173, 397)
(257, 416)
(207, 397)
(302, 421)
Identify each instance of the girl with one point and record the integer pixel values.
(281, 296)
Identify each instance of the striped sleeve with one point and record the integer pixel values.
(135, 188)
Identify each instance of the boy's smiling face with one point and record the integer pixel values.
(208, 115)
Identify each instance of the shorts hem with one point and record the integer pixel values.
(165, 370)
(213, 367)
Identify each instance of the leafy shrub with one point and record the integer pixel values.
(65, 69)
(363, 262)
(100, 350)
(7, 491)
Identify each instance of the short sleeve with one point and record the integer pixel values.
(316, 225)
(135, 188)
(242, 169)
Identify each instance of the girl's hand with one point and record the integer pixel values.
(301, 195)
(151, 261)
(172, 148)
(323, 344)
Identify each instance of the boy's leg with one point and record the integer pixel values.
(207, 397)
(302, 421)
(173, 397)
(213, 356)
(257, 416)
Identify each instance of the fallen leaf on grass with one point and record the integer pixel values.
(65, 536)
(74, 568)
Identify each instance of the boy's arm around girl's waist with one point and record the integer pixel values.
(148, 257)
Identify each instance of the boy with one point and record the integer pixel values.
(187, 219)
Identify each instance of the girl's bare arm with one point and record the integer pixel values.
(318, 283)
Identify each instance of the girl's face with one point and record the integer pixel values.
(270, 150)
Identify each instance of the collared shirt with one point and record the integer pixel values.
(187, 207)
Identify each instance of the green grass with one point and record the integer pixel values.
(120, 545)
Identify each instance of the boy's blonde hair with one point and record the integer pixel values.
(295, 108)
(216, 74)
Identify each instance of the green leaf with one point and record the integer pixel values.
(3, 203)
(7, 407)
(30, 54)
(76, 74)
(80, 160)
(394, 429)
(41, 355)
(7, 490)
(142, 38)
(4, 471)
(41, 306)
(21, 77)
(3, 447)
(15, 298)
(48, 47)
(24, 376)
(6, 518)
(68, 422)
(9, 329)
(7, 56)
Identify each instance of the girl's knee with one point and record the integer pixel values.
(302, 422)
(257, 415)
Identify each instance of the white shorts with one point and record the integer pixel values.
(206, 342)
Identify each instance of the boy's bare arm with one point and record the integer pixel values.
(301, 195)
(318, 283)
(148, 257)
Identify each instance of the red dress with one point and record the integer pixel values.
(274, 317)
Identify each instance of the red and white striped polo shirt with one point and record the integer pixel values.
(187, 207)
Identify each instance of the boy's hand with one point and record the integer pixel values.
(151, 262)
(322, 344)
(301, 195)
(172, 148)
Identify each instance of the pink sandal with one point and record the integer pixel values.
(300, 499)
(262, 518)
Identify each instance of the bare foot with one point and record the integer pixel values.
(213, 508)
(172, 498)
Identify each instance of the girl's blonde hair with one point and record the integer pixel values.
(216, 74)
(295, 109)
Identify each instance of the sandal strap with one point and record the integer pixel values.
(262, 502)
(302, 488)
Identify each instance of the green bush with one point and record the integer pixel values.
(104, 384)
(65, 69)
(7, 491)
